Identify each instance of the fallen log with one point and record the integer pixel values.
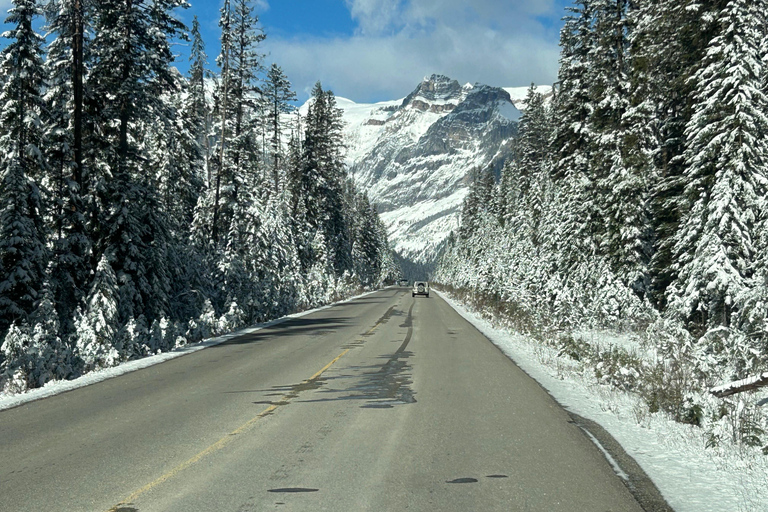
(739, 386)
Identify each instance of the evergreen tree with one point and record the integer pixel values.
(622, 189)
(174, 149)
(22, 239)
(14, 361)
(197, 115)
(727, 172)
(132, 56)
(64, 150)
(573, 139)
(48, 355)
(283, 261)
(278, 94)
(669, 64)
(477, 203)
(533, 164)
(237, 90)
(367, 246)
(98, 324)
(508, 193)
(222, 111)
(632, 250)
(318, 187)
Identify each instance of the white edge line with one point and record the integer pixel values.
(616, 468)
(56, 387)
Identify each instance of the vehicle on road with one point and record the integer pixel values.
(420, 288)
(402, 282)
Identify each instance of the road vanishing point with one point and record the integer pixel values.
(384, 403)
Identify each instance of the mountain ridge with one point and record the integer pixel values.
(412, 155)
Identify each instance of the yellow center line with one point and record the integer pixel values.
(221, 443)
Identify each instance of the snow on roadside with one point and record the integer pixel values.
(56, 387)
(690, 477)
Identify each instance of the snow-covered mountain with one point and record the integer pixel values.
(413, 155)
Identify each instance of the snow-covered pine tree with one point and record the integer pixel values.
(131, 52)
(318, 185)
(197, 113)
(622, 189)
(30, 357)
(222, 122)
(199, 256)
(572, 103)
(23, 254)
(573, 140)
(531, 151)
(284, 266)
(14, 358)
(764, 52)
(335, 203)
(236, 94)
(508, 193)
(278, 95)
(174, 149)
(727, 174)
(477, 202)
(246, 64)
(49, 356)
(369, 244)
(236, 280)
(390, 269)
(241, 178)
(667, 64)
(66, 182)
(310, 177)
(641, 129)
(98, 324)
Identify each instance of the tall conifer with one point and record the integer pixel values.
(727, 173)
(23, 254)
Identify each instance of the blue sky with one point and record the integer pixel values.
(373, 50)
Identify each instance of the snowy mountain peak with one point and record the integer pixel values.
(412, 156)
(437, 93)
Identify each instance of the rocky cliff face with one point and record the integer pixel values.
(413, 156)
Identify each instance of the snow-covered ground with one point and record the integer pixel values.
(61, 386)
(691, 477)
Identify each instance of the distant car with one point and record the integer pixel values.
(420, 288)
(402, 282)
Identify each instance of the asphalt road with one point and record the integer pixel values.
(385, 403)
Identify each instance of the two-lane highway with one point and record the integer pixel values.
(384, 403)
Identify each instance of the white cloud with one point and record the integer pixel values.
(497, 42)
(375, 16)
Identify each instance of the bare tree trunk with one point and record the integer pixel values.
(225, 84)
(77, 89)
(125, 103)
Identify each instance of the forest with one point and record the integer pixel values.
(636, 202)
(140, 209)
